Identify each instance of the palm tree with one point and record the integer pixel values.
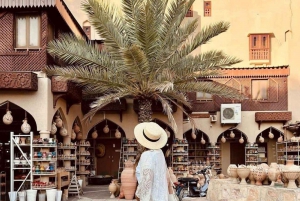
(147, 56)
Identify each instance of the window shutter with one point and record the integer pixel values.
(207, 8)
(273, 90)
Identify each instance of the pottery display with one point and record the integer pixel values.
(7, 118)
(128, 180)
(243, 173)
(259, 175)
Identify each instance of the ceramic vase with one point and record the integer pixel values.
(7, 118)
(273, 173)
(259, 175)
(243, 173)
(106, 129)
(31, 194)
(228, 169)
(291, 175)
(128, 180)
(25, 127)
(251, 175)
(118, 134)
(112, 189)
(23, 140)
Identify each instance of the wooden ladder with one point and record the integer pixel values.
(74, 187)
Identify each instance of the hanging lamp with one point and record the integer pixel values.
(232, 135)
(271, 135)
(7, 118)
(261, 139)
(223, 139)
(95, 133)
(25, 127)
(118, 133)
(202, 140)
(106, 128)
(241, 140)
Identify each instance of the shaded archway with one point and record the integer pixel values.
(197, 150)
(234, 147)
(105, 161)
(267, 146)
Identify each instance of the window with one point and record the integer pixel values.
(87, 30)
(202, 96)
(259, 46)
(190, 12)
(259, 89)
(207, 8)
(28, 31)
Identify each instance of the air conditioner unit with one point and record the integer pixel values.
(213, 118)
(231, 113)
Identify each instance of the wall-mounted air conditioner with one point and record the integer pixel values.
(231, 113)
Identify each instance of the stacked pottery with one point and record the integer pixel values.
(291, 172)
(259, 175)
(273, 173)
(128, 180)
(243, 172)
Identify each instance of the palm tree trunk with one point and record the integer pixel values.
(145, 110)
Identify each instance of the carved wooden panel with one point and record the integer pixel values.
(19, 80)
(273, 116)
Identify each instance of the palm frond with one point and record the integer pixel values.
(167, 109)
(107, 22)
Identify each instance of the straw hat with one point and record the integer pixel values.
(150, 135)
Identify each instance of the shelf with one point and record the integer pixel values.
(41, 160)
(44, 173)
(66, 147)
(44, 146)
(180, 145)
(130, 145)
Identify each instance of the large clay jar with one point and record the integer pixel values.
(251, 175)
(259, 175)
(128, 180)
(273, 173)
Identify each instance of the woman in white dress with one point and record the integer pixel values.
(151, 170)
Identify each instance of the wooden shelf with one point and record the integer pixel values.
(62, 182)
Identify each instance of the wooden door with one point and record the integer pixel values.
(237, 153)
(109, 163)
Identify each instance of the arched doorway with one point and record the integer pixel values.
(106, 148)
(197, 149)
(233, 148)
(267, 144)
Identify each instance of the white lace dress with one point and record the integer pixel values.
(152, 177)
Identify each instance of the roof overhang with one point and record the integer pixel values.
(19, 81)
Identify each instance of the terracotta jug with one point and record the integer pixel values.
(128, 180)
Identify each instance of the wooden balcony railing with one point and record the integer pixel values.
(259, 54)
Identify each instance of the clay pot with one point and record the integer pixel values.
(251, 175)
(273, 173)
(58, 121)
(194, 136)
(128, 180)
(234, 175)
(259, 175)
(73, 135)
(25, 127)
(230, 166)
(106, 129)
(112, 189)
(202, 141)
(7, 118)
(221, 176)
(291, 175)
(243, 173)
(53, 129)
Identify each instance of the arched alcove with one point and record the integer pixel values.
(237, 135)
(265, 134)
